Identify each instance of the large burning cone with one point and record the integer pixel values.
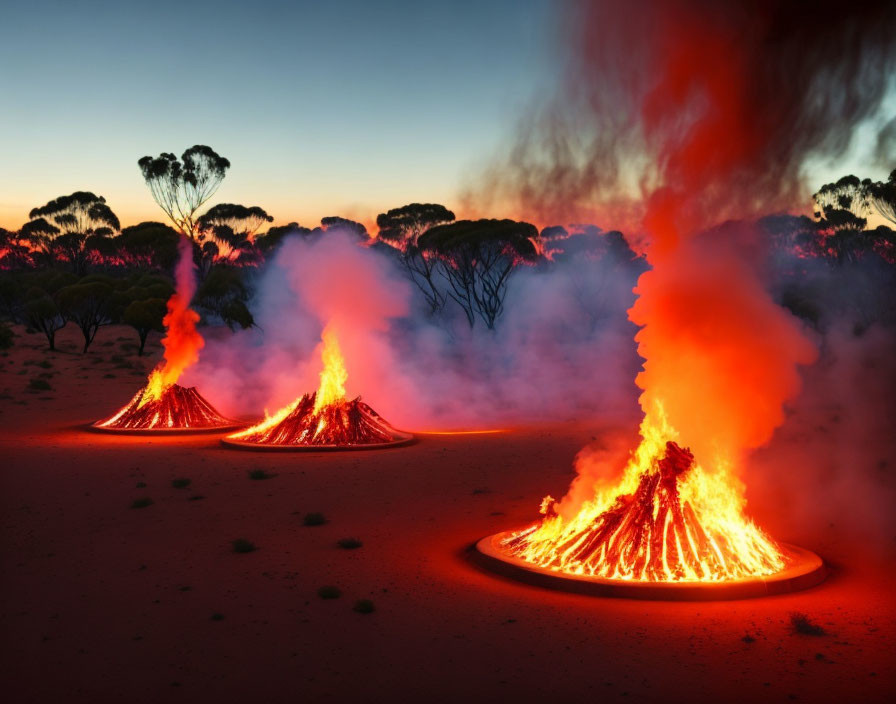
(163, 405)
(324, 419)
(667, 529)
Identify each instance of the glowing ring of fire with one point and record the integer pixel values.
(165, 431)
(806, 569)
(401, 439)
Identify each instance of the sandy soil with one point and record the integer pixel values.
(102, 602)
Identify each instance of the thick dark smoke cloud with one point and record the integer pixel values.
(771, 83)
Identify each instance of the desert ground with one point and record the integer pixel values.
(102, 602)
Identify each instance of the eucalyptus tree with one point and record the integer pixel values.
(42, 313)
(182, 186)
(882, 195)
(477, 258)
(75, 229)
(81, 213)
(90, 304)
(401, 228)
(234, 226)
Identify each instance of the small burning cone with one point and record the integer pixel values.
(323, 420)
(163, 406)
(172, 408)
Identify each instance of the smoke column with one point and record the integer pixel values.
(698, 113)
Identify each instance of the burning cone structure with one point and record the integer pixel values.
(667, 530)
(324, 419)
(163, 405)
(697, 117)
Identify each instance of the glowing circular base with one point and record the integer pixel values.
(166, 431)
(401, 439)
(805, 570)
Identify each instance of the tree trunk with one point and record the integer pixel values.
(142, 342)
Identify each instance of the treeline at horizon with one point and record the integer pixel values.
(72, 262)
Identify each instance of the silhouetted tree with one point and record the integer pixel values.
(224, 294)
(7, 336)
(15, 254)
(334, 222)
(477, 257)
(149, 245)
(234, 226)
(80, 213)
(271, 239)
(43, 314)
(842, 207)
(882, 195)
(145, 315)
(182, 187)
(402, 227)
(74, 229)
(39, 232)
(89, 304)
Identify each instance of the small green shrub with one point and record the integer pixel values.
(242, 545)
(142, 502)
(6, 336)
(364, 606)
(329, 592)
(349, 543)
(217, 617)
(314, 519)
(181, 483)
(803, 625)
(259, 474)
(37, 384)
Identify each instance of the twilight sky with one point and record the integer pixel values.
(323, 108)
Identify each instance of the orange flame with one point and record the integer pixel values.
(182, 341)
(700, 536)
(720, 356)
(330, 392)
(333, 376)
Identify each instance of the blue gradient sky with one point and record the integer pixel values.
(322, 108)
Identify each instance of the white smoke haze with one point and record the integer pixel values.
(562, 350)
(830, 466)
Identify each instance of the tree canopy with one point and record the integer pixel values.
(82, 213)
(402, 226)
(181, 187)
(882, 195)
(476, 258)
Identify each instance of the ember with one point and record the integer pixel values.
(323, 419)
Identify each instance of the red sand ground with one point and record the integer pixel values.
(102, 602)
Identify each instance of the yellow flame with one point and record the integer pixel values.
(331, 390)
(735, 547)
(333, 376)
